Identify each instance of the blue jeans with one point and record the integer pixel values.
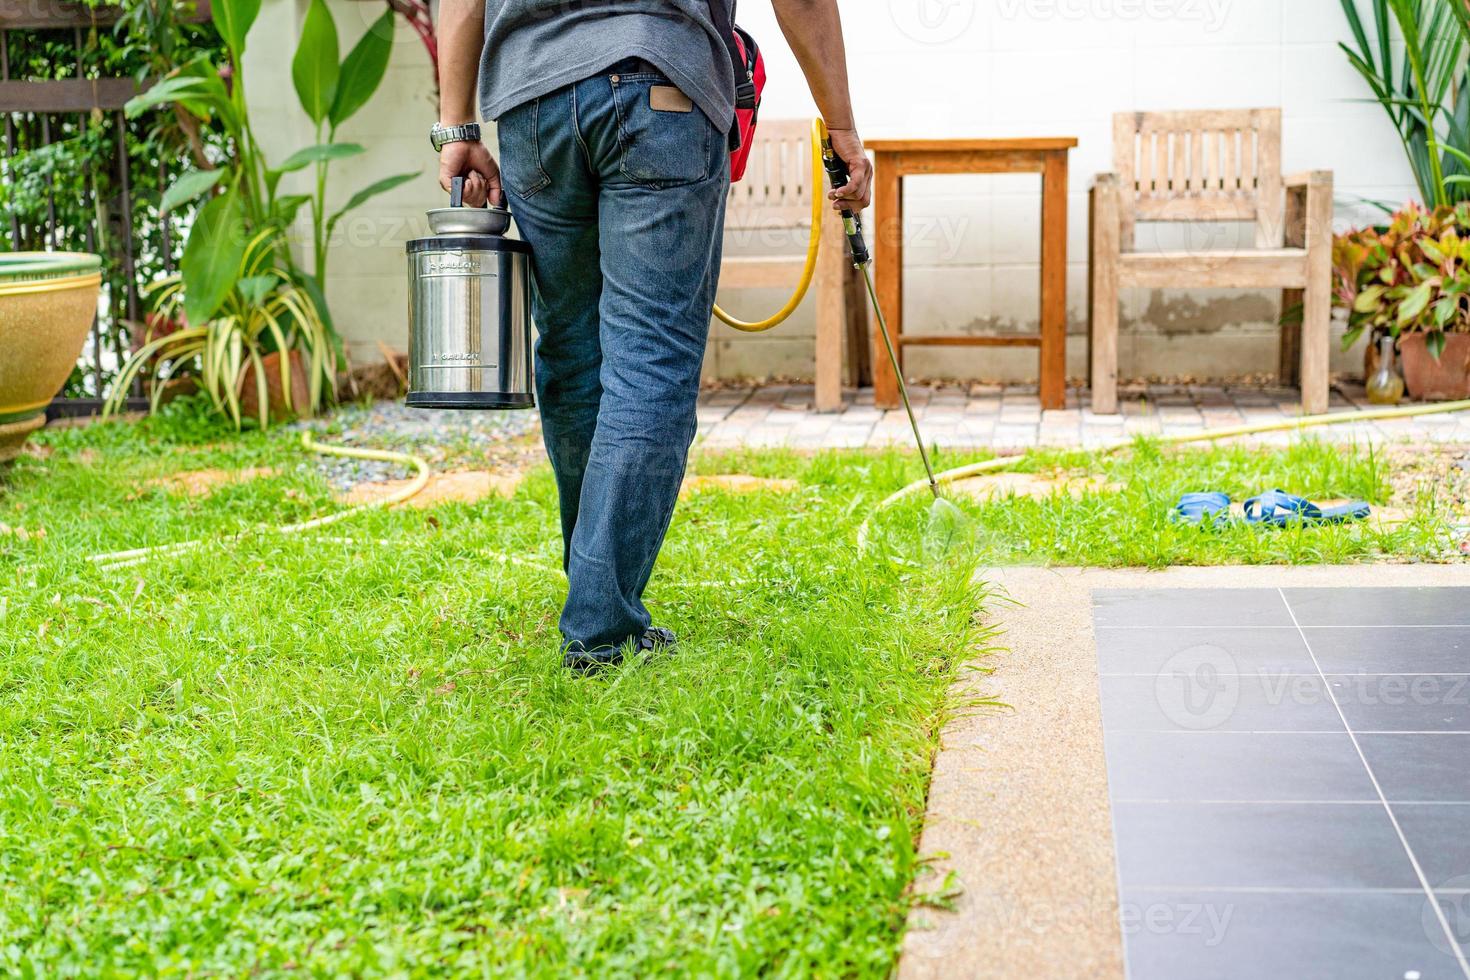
(624, 207)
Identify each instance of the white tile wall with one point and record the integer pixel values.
(1044, 67)
(943, 68)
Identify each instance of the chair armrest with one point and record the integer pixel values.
(1104, 181)
(1308, 178)
(1308, 218)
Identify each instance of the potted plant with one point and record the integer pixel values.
(1410, 279)
(264, 353)
(47, 303)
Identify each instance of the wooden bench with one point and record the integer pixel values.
(1208, 167)
(775, 200)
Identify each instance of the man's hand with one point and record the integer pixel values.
(473, 162)
(857, 193)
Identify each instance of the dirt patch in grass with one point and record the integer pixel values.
(1034, 486)
(460, 486)
(200, 483)
(472, 486)
(735, 483)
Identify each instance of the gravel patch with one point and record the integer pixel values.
(497, 441)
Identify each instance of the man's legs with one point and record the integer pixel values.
(624, 207)
(553, 196)
(664, 177)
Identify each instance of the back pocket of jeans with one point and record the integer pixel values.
(661, 147)
(520, 149)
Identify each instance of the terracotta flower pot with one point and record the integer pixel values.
(300, 390)
(47, 303)
(1430, 380)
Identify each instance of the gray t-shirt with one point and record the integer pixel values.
(533, 47)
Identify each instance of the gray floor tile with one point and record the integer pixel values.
(1439, 834)
(1404, 702)
(1242, 845)
(1203, 935)
(1228, 651)
(1235, 766)
(1380, 607)
(1153, 608)
(1427, 768)
(1201, 699)
(1391, 650)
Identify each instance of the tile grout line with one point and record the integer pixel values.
(1191, 801)
(1373, 778)
(1294, 628)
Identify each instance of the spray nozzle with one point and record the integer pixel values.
(852, 225)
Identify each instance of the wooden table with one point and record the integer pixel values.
(896, 159)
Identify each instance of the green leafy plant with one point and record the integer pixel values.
(330, 93)
(1426, 95)
(238, 281)
(1412, 275)
(263, 311)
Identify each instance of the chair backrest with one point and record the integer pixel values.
(1201, 166)
(776, 191)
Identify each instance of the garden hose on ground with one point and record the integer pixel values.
(1208, 435)
(813, 245)
(122, 559)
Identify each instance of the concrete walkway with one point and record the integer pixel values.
(1010, 417)
(1019, 817)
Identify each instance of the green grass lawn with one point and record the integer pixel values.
(308, 754)
(349, 759)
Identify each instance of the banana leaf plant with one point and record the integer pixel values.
(263, 312)
(1425, 93)
(330, 92)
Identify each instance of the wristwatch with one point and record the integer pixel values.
(439, 135)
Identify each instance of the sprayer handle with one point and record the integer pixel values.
(852, 225)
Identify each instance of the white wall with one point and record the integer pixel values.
(953, 68)
(367, 278)
(995, 68)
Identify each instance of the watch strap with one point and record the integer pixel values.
(440, 135)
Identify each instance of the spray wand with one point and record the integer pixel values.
(852, 226)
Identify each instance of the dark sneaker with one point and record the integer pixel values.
(654, 640)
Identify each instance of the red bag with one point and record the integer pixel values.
(747, 100)
(750, 82)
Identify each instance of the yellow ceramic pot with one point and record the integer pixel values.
(47, 303)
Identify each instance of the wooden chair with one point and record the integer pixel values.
(776, 197)
(1206, 167)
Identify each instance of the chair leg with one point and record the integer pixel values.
(1289, 359)
(1103, 348)
(1316, 347)
(1103, 261)
(1317, 303)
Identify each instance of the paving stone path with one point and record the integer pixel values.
(1010, 417)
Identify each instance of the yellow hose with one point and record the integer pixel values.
(122, 559)
(813, 245)
(1208, 435)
